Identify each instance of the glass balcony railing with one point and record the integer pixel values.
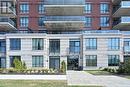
(123, 4)
(64, 2)
(124, 19)
(7, 20)
(65, 18)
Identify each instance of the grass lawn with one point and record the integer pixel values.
(126, 76)
(98, 72)
(35, 83)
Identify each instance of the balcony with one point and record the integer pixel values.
(6, 24)
(123, 8)
(7, 11)
(59, 26)
(122, 23)
(64, 22)
(64, 11)
(64, 2)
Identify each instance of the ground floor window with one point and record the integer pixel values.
(91, 60)
(113, 60)
(37, 61)
(54, 62)
(2, 62)
(12, 60)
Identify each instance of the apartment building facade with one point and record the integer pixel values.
(43, 33)
(64, 15)
(90, 50)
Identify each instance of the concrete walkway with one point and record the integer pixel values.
(84, 78)
(33, 77)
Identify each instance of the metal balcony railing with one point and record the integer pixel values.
(7, 20)
(64, 2)
(65, 18)
(7, 10)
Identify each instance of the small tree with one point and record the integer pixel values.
(63, 67)
(18, 64)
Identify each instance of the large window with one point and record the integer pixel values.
(74, 46)
(127, 45)
(88, 8)
(37, 44)
(15, 44)
(12, 60)
(113, 43)
(24, 21)
(41, 8)
(104, 21)
(113, 60)
(54, 46)
(2, 46)
(37, 61)
(88, 22)
(91, 60)
(24, 8)
(91, 44)
(41, 21)
(104, 8)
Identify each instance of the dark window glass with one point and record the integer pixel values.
(12, 60)
(104, 21)
(24, 8)
(37, 61)
(74, 46)
(24, 21)
(91, 44)
(113, 43)
(15, 44)
(54, 46)
(88, 8)
(41, 21)
(37, 44)
(91, 60)
(104, 8)
(113, 60)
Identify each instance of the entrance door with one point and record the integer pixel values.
(72, 62)
(54, 62)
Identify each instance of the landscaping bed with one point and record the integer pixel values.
(31, 72)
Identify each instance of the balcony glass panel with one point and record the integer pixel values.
(65, 18)
(125, 4)
(64, 2)
(125, 19)
(7, 20)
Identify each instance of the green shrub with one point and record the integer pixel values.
(124, 67)
(18, 64)
(63, 67)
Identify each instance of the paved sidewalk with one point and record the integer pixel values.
(33, 77)
(84, 78)
(81, 78)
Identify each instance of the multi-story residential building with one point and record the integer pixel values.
(7, 15)
(121, 14)
(90, 49)
(76, 31)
